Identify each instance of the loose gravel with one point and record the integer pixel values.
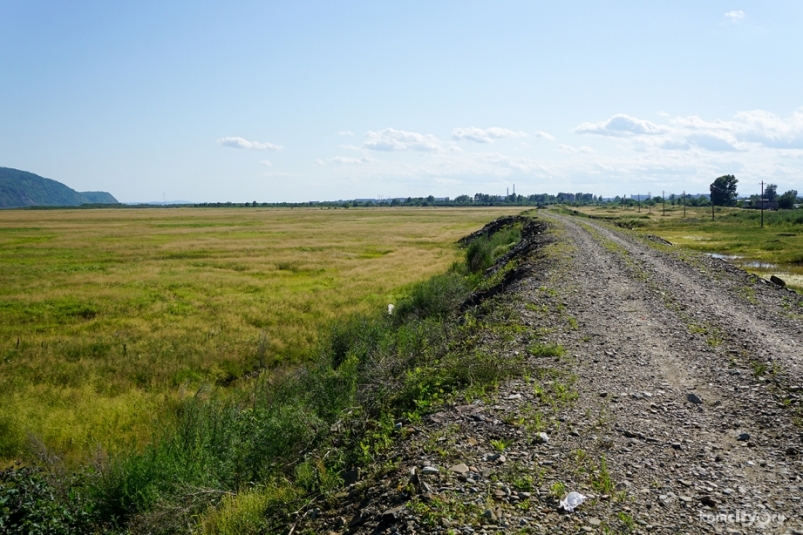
(673, 407)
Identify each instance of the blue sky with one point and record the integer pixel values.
(296, 101)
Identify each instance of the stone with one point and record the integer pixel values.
(777, 281)
(350, 477)
(542, 438)
(489, 515)
(594, 522)
(694, 398)
(392, 515)
(429, 470)
(460, 468)
(743, 437)
(708, 500)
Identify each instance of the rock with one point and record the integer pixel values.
(489, 515)
(777, 281)
(694, 398)
(677, 446)
(429, 470)
(791, 450)
(471, 441)
(542, 438)
(594, 522)
(460, 468)
(708, 500)
(392, 515)
(603, 394)
(743, 437)
(350, 477)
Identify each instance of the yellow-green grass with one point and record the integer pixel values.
(775, 249)
(109, 317)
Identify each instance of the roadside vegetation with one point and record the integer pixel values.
(243, 460)
(776, 248)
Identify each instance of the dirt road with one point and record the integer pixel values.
(674, 408)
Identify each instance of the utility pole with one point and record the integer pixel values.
(762, 204)
(684, 204)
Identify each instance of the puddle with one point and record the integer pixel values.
(790, 274)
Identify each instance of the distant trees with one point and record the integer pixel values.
(771, 192)
(788, 199)
(723, 191)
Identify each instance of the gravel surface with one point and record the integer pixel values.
(674, 406)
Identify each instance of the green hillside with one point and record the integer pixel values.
(20, 189)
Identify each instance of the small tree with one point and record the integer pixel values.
(723, 191)
(770, 192)
(788, 199)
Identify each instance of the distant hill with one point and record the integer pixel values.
(21, 188)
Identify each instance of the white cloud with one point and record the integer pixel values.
(391, 139)
(487, 135)
(573, 150)
(735, 16)
(621, 125)
(544, 135)
(345, 160)
(770, 130)
(266, 163)
(712, 142)
(240, 143)
(345, 133)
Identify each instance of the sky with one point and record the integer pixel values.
(297, 101)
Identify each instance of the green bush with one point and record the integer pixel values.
(31, 504)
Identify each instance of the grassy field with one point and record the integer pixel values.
(775, 249)
(109, 317)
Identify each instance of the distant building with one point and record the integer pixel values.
(765, 204)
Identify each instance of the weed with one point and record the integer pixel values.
(557, 490)
(627, 521)
(546, 350)
(500, 444)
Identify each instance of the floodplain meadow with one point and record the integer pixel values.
(109, 318)
(735, 233)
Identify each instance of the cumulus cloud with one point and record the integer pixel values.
(735, 16)
(712, 142)
(391, 139)
(621, 125)
(574, 150)
(485, 135)
(770, 130)
(240, 143)
(345, 160)
(544, 135)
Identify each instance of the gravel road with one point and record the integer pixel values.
(674, 408)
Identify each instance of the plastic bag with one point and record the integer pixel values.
(572, 501)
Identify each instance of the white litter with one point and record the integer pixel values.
(572, 501)
(390, 309)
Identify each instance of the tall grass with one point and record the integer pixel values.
(109, 319)
(243, 465)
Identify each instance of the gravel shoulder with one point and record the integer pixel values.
(663, 385)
